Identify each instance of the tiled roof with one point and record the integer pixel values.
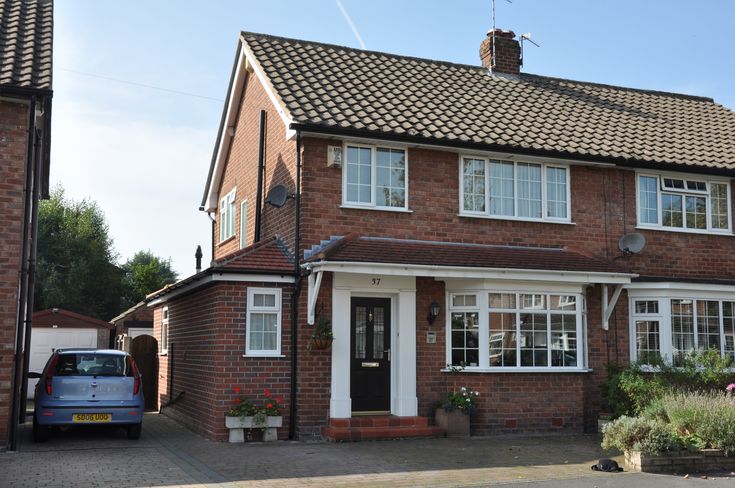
(339, 88)
(360, 249)
(267, 255)
(26, 39)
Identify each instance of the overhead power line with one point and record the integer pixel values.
(142, 85)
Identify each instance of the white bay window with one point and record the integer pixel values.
(515, 330)
(514, 190)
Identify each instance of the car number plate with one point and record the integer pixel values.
(92, 417)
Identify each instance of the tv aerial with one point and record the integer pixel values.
(632, 243)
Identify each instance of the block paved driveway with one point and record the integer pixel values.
(170, 455)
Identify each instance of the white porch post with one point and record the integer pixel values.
(340, 405)
(405, 402)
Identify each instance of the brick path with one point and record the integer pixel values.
(169, 455)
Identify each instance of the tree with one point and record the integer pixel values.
(75, 267)
(144, 274)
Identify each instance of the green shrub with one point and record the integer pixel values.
(639, 434)
(704, 419)
(655, 411)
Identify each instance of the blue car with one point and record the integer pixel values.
(88, 386)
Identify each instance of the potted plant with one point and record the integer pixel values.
(322, 337)
(453, 415)
(244, 414)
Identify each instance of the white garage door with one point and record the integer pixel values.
(44, 341)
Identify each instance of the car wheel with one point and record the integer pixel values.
(134, 431)
(40, 432)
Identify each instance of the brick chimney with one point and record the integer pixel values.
(507, 52)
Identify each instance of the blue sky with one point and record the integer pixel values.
(143, 154)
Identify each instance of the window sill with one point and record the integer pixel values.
(516, 219)
(264, 355)
(519, 370)
(379, 209)
(724, 233)
(226, 240)
(164, 353)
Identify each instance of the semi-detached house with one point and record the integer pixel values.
(491, 198)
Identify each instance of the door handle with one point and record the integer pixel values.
(387, 351)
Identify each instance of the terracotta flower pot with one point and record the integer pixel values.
(321, 343)
(456, 423)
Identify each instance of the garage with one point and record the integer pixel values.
(57, 329)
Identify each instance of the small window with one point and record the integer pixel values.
(164, 330)
(243, 223)
(227, 216)
(646, 307)
(515, 190)
(375, 177)
(263, 326)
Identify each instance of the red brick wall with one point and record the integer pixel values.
(13, 136)
(241, 170)
(206, 345)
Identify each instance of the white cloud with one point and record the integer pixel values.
(147, 177)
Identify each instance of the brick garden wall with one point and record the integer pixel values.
(206, 344)
(13, 136)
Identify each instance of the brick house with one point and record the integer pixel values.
(442, 216)
(26, 33)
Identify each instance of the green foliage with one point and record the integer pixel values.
(630, 390)
(702, 419)
(144, 274)
(461, 399)
(75, 267)
(639, 434)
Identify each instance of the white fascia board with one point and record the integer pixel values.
(581, 277)
(246, 62)
(676, 287)
(231, 277)
(461, 151)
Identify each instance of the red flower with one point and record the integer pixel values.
(279, 400)
(270, 405)
(267, 392)
(237, 400)
(236, 389)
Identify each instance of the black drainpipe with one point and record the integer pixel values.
(261, 166)
(23, 282)
(31, 270)
(296, 292)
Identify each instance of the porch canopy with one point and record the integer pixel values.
(386, 256)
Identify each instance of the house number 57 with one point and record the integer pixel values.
(376, 282)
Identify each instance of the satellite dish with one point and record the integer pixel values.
(277, 196)
(632, 243)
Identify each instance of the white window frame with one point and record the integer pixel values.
(664, 295)
(165, 319)
(483, 309)
(373, 180)
(243, 223)
(544, 200)
(227, 216)
(660, 190)
(251, 308)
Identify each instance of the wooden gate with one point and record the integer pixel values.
(144, 350)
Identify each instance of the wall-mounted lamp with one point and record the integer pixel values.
(434, 310)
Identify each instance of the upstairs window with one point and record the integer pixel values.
(243, 223)
(375, 177)
(689, 204)
(514, 190)
(227, 216)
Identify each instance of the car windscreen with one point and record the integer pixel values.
(92, 364)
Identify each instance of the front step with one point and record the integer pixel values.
(379, 427)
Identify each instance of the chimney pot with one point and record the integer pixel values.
(507, 52)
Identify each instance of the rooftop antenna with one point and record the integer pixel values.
(492, 60)
(527, 37)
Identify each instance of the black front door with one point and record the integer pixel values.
(370, 353)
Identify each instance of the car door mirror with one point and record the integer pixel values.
(34, 376)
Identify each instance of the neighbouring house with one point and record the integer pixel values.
(56, 328)
(26, 34)
(134, 322)
(446, 217)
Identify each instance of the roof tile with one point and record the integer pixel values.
(26, 40)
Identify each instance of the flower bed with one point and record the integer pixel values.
(245, 415)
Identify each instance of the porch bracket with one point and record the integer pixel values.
(608, 305)
(315, 282)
